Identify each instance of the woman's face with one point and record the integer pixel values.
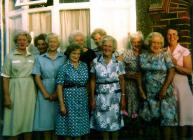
(22, 42)
(42, 47)
(79, 40)
(97, 39)
(172, 36)
(156, 44)
(75, 56)
(136, 43)
(108, 48)
(53, 44)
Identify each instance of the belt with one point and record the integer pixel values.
(107, 82)
(73, 85)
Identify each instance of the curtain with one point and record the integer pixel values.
(74, 20)
(15, 25)
(40, 23)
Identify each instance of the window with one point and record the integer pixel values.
(73, 1)
(29, 2)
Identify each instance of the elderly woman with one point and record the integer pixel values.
(72, 117)
(159, 71)
(133, 80)
(45, 71)
(87, 54)
(133, 77)
(97, 36)
(107, 91)
(19, 89)
(182, 60)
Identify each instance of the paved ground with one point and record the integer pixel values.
(130, 133)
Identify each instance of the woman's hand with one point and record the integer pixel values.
(142, 93)
(93, 104)
(7, 102)
(162, 93)
(46, 96)
(120, 58)
(123, 103)
(54, 96)
(63, 110)
(174, 61)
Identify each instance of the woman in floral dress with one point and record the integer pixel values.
(107, 91)
(134, 89)
(159, 71)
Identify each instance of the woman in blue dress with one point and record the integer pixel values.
(107, 91)
(158, 71)
(45, 71)
(72, 117)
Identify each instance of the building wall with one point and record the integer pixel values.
(157, 17)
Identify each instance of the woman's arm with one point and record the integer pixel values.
(168, 80)
(122, 86)
(140, 86)
(186, 69)
(92, 91)
(7, 99)
(41, 87)
(61, 99)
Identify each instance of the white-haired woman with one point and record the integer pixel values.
(107, 91)
(133, 80)
(45, 71)
(160, 107)
(19, 90)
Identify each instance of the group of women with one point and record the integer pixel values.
(150, 84)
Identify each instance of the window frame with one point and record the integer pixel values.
(28, 3)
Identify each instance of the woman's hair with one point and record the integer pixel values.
(23, 33)
(112, 39)
(99, 31)
(52, 35)
(73, 35)
(39, 37)
(148, 40)
(134, 35)
(72, 47)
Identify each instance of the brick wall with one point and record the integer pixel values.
(173, 12)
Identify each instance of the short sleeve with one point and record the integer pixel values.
(168, 60)
(186, 52)
(6, 69)
(121, 68)
(60, 75)
(37, 69)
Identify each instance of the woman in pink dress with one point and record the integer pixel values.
(182, 60)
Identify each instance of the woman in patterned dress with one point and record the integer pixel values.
(72, 117)
(19, 90)
(133, 77)
(45, 71)
(182, 60)
(133, 81)
(159, 71)
(107, 91)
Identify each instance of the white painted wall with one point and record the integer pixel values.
(117, 17)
